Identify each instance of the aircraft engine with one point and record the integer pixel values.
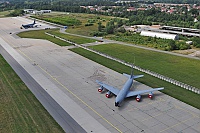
(100, 89)
(108, 94)
(150, 95)
(138, 98)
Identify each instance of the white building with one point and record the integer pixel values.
(46, 11)
(159, 35)
(41, 11)
(28, 10)
(37, 12)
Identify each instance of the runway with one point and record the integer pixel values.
(73, 78)
(58, 113)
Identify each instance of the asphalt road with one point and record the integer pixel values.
(106, 41)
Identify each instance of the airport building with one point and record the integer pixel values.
(32, 11)
(41, 11)
(28, 10)
(159, 35)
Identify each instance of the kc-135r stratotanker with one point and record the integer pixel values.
(125, 91)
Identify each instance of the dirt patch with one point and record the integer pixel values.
(190, 52)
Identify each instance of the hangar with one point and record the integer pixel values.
(159, 35)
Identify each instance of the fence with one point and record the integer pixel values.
(157, 75)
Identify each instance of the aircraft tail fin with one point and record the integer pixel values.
(132, 71)
(34, 22)
(132, 75)
(137, 76)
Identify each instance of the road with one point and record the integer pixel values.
(106, 41)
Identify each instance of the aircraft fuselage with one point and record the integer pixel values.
(123, 92)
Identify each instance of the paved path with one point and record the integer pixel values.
(132, 45)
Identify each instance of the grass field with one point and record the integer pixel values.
(172, 90)
(180, 68)
(20, 111)
(40, 34)
(4, 13)
(76, 39)
(60, 19)
(83, 18)
(88, 30)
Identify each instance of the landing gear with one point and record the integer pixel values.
(116, 104)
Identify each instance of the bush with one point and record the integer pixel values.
(91, 21)
(181, 45)
(121, 29)
(196, 42)
(16, 13)
(98, 33)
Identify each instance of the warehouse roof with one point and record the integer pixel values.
(159, 35)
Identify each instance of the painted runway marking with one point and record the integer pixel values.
(176, 125)
(191, 113)
(160, 99)
(72, 93)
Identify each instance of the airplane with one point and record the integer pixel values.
(125, 91)
(29, 25)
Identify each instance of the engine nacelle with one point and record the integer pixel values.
(100, 89)
(108, 94)
(150, 95)
(138, 98)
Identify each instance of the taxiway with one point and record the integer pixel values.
(70, 80)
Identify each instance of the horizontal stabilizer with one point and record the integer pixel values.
(137, 76)
(127, 75)
(134, 76)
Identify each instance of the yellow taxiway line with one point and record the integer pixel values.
(100, 114)
(72, 93)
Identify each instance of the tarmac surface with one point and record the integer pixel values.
(73, 78)
(19, 65)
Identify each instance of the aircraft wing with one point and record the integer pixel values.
(134, 93)
(108, 87)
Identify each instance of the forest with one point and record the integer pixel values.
(141, 1)
(150, 16)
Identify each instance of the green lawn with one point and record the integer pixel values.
(40, 34)
(4, 13)
(76, 39)
(180, 68)
(20, 111)
(172, 90)
(60, 19)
